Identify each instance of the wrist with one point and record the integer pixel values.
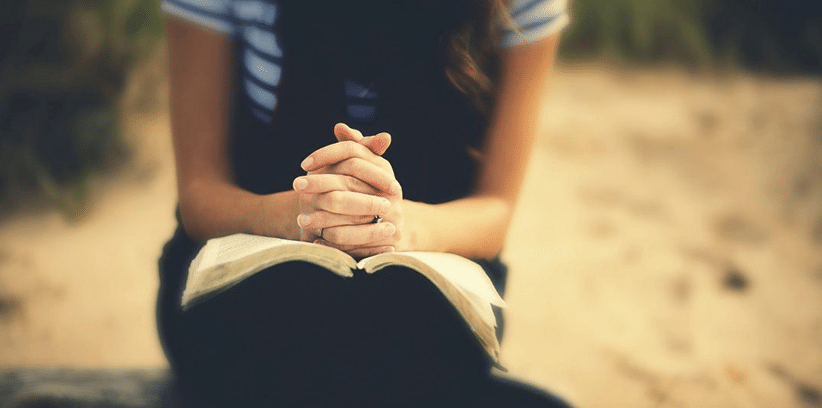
(275, 215)
(473, 227)
(418, 236)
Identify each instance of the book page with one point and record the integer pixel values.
(225, 261)
(233, 247)
(466, 274)
(483, 308)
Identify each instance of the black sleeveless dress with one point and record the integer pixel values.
(297, 335)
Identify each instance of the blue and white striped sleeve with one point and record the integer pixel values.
(534, 20)
(214, 14)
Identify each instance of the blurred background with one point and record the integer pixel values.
(667, 247)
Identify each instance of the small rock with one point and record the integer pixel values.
(8, 305)
(809, 395)
(734, 279)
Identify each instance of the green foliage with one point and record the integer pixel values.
(63, 65)
(774, 35)
(637, 29)
(761, 34)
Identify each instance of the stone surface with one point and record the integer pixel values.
(86, 388)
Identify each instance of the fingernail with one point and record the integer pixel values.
(307, 162)
(304, 220)
(300, 183)
(395, 188)
(388, 230)
(391, 249)
(385, 206)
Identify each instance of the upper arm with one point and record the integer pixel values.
(202, 71)
(525, 71)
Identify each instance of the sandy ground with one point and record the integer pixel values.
(666, 252)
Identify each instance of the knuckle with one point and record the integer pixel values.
(374, 205)
(318, 219)
(321, 181)
(354, 184)
(332, 235)
(383, 163)
(343, 166)
(376, 234)
(337, 202)
(350, 147)
(329, 183)
(356, 163)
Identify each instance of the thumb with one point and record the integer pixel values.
(344, 132)
(378, 143)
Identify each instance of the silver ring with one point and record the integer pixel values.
(377, 219)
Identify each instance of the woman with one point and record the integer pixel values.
(270, 101)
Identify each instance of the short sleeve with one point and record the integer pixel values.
(214, 14)
(534, 20)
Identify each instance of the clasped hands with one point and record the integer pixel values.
(347, 184)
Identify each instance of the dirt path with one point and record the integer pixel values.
(667, 250)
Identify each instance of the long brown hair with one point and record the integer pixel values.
(470, 51)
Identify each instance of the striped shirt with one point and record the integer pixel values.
(251, 21)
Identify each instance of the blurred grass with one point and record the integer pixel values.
(63, 72)
(637, 30)
(775, 37)
(63, 65)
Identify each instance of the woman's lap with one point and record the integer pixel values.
(298, 335)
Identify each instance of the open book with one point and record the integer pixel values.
(228, 260)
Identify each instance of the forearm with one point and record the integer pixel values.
(212, 208)
(476, 226)
(473, 227)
